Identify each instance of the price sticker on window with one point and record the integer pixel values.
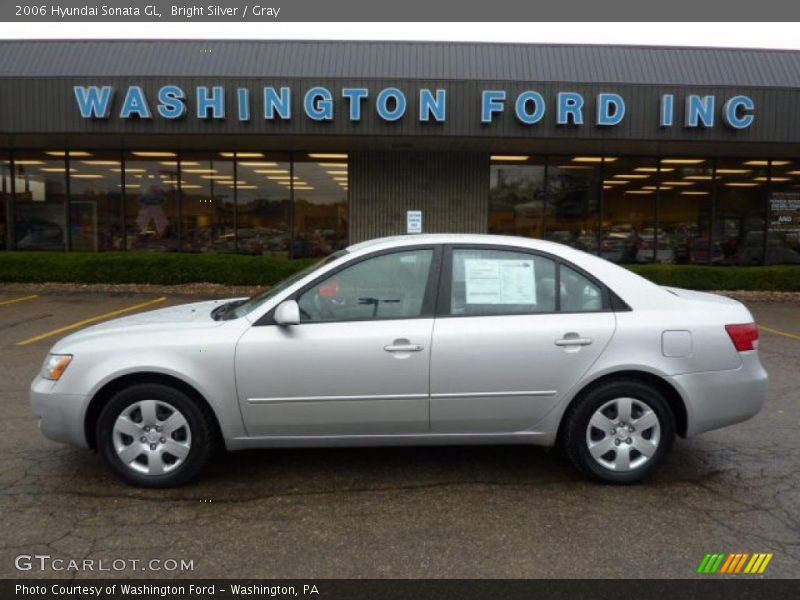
(500, 281)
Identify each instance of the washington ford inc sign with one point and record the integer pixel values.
(172, 102)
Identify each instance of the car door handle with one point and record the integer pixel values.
(404, 348)
(573, 341)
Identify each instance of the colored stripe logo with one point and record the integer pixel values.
(735, 563)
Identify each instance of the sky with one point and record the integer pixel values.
(744, 35)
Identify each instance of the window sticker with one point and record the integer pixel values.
(500, 281)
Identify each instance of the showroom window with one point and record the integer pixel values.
(96, 210)
(5, 200)
(782, 214)
(40, 200)
(629, 233)
(320, 184)
(573, 200)
(388, 286)
(686, 188)
(738, 231)
(263, 203)
(517, 195)
(257, 203)
(207, 201)
(151, 200)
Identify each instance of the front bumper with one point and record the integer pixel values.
(61, 416)
(717, 399)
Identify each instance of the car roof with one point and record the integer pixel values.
(456, 238)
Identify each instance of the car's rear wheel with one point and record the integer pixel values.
(619, 431)
(154, 435)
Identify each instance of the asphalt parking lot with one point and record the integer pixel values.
(514, 512)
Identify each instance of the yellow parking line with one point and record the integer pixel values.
(15, 300)
(786, 334)
(113, 313)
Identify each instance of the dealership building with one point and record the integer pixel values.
(639, 154)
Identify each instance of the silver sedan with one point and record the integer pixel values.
(426, 339)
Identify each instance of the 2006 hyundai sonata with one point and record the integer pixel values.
(427, 339)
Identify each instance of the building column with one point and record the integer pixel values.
(450, 188)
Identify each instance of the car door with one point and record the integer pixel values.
(358, 361)
(515, 331)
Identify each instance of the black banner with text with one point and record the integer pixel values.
(389, 589)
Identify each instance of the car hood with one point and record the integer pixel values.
(196, 315)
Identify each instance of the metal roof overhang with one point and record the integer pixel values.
(529, 145)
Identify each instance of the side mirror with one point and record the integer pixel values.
(287, 313)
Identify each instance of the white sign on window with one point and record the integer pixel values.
(414, 221)
(499, 281)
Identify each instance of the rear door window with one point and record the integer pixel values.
(496, 282)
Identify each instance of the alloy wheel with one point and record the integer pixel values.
(623, 434)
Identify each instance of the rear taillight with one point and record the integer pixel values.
(744, 336)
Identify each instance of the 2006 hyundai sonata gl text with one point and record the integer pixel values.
(427, 339)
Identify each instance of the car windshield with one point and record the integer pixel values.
(256, 301)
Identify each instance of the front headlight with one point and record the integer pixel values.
(55, 365)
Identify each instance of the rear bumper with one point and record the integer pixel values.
(60, 415)
(720, 398)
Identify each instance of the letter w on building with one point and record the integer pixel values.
(94, 101)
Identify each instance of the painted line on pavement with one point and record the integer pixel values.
(785, 334)
(15, 300)
(78, 324)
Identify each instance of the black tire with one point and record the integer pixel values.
(576, 422)
(201, 423)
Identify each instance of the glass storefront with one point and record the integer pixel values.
(151, 200)
(248, 202)
(685, 196)
(782, 214)
(5, 200)
(264, 204)
(738, 224)
(517, 196)
(629, 233)
(321, 183)
(40, 186)
(572, 213)
(627, 209)
(95, 201)
(675, 210)
(207, 183)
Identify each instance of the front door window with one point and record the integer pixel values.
(388, 286)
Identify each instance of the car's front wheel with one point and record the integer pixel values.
(154, 435)
(619, 431)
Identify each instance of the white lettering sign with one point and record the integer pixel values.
(414, 221)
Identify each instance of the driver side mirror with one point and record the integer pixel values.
(287, 313)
